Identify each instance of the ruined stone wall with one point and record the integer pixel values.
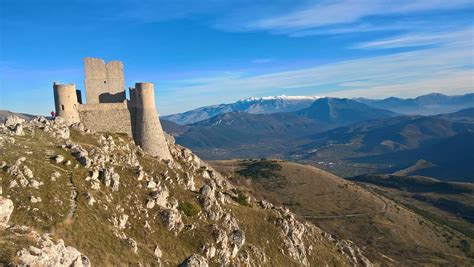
(109, 117)
(105, 83)
(107, 110)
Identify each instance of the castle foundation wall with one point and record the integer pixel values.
(108, 117)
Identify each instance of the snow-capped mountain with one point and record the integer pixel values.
(254, 105)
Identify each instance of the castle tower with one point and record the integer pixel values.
(105, 83)
(65, 100)
(148, 132)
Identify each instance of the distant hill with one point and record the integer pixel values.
(172, 127)
(466, 115)
(395, 134)
(452, 158)
(388, 145)
(237, 129)
(430, 104)
(259, 132)
(5, 113)
(341, 111)
(417, 184)
(253, 105)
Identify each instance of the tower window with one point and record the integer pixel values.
(105, 81)
(62, 107)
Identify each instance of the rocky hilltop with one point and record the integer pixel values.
(71, 197)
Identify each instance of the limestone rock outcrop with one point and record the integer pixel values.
(195, 260)
(51, 253)
(6, 209)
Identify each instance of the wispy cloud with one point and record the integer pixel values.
(450, 83)
(420, 39)
(446, 69)
(349, 11)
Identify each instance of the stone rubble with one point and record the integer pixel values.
(194, 260)
(46, 252)
(51, 253)
(34, 199)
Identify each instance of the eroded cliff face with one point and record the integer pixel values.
(83, 198)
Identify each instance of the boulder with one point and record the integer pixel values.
(18, 130)
(133, 244)
(13, 120)
(6, 209)
(58, 159)
(158, 253)
(51, 253)
(172, 219)
(194, 260)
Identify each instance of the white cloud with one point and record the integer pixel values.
(444, 69)
(456, 82)
(420, 39)
(349, 11)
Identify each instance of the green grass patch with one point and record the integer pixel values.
(189, 209)
(260, 169)
(242, 198)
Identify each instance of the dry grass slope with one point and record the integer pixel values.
(91, 230)
(388, 232)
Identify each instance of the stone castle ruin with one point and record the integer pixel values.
(107, 108)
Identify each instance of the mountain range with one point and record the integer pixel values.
(344, 136)
(430, 104)
(251, 105)
(445, 141)
(242, 129)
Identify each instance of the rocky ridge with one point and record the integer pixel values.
(102, 194)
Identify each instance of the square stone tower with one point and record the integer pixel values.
(105, 83)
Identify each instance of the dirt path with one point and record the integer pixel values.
(73, 198)
(383, 210)
(74, 194)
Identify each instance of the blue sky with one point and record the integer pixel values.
(208, 52)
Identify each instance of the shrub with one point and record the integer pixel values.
(465, 247)
(260, 169)
(242, 199)
(189, 209)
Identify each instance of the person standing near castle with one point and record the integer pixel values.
(53, 114)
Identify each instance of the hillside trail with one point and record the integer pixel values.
(383, 210)
(72, 187)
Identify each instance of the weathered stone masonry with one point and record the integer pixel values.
(108, 110)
